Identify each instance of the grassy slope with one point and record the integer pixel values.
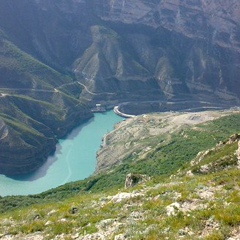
(26, 78)
(144, 211)
(37, 104)
(19, 69)
(220, 185)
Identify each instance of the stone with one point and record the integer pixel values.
(173, 208)
(233, 138)
(73, 210)
(125, 196)
(133, 179)
(52, 212)
(238, 155)
(36, 217)
(120, 237)
(48, 223)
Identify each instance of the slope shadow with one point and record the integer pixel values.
(42, 171)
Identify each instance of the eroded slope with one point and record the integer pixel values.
(140, 137)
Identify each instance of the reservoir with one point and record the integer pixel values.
(74, 159)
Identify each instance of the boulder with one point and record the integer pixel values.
(133, 179)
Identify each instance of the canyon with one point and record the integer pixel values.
(59, 58)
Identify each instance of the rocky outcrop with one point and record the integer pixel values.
(201, 165)
(182, 44)
(238, 154)
(235, 137)
(134, 179)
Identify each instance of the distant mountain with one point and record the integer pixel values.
(57, 57)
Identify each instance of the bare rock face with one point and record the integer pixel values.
(184, 45)
(193, 18)
(135, 50)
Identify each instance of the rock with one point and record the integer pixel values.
(75, 236)
(189, 173)
(238, 155)
(104, 224)
(184, 232)
(120, 237)
(73, 210)
(35, 236)
(206, 193)
(235, 234)
(7, 237)
(210, 226)
(63, 220)
(125, 196)
(136, 216)
(204, 168)
(94, 236)
(52, 212)
(48, 223)
(173, 208)
(133, 179)
(36, 217)
(233, 138)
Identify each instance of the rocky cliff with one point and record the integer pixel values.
(57, 55)
(135, 49)
(190, 48)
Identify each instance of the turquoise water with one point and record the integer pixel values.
(74, 159)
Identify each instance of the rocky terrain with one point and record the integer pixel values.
(139, 136)
(59, 58)
(180, 48)
(199, 201)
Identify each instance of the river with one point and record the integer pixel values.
(74, 159)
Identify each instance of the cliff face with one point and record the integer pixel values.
(138, 49)
(57, 55)
(190, 48)
(184, 49)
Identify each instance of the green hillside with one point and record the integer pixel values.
(38, 105)
(196, 196)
